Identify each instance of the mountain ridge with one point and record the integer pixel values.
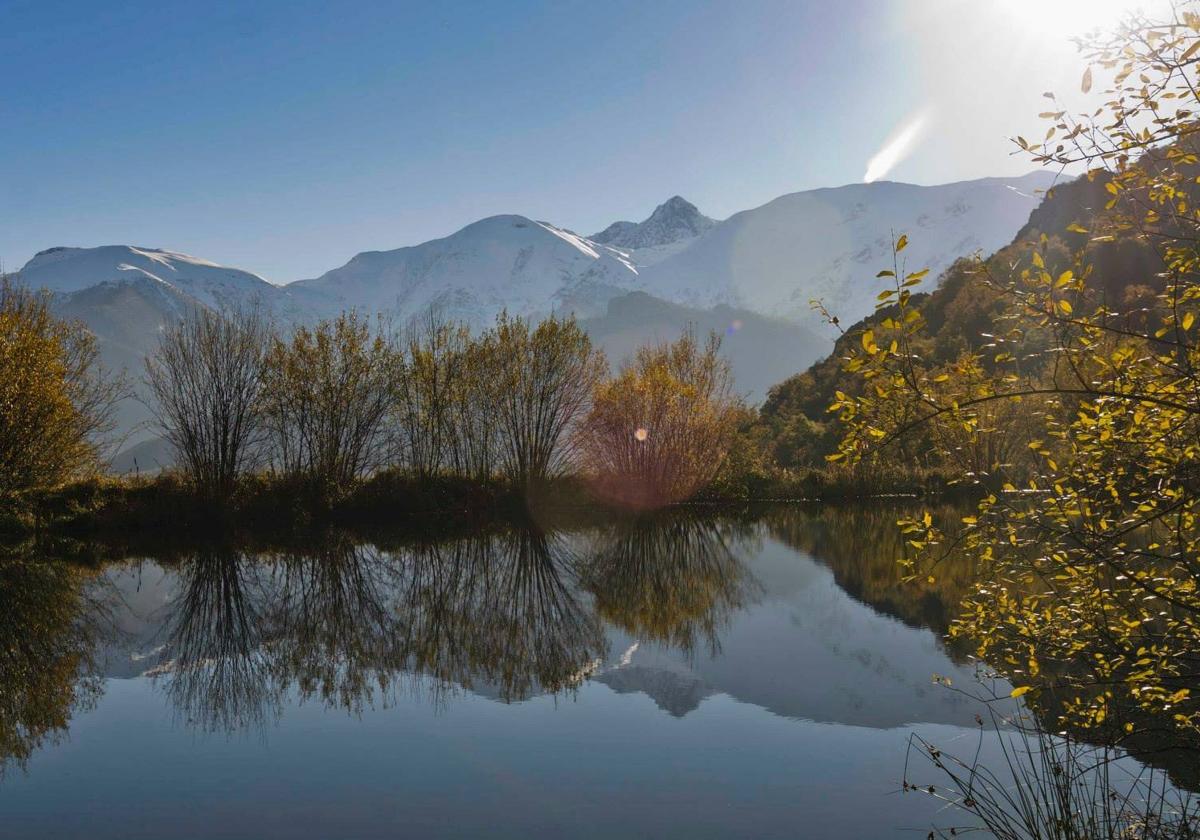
(772, 259)
(750, 276)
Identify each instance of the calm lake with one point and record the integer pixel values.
(695, 675)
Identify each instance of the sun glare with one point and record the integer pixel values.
(896, 147)
(1067, 18)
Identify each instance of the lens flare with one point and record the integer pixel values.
(896, 147)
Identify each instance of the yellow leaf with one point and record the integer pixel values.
(1019, 690)
(901, 243)
(1188, 320)
(1065, 306)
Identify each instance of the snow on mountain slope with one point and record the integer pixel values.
(672, 226)
(772, 260)
(68, 270)
(502, 262)
(829, 244)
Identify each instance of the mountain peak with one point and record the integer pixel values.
(675, 204)
(674, 220)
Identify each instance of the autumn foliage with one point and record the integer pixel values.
(55, 402)
(659, 430)
(1088, 544)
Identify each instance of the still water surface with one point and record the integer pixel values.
(690, 676)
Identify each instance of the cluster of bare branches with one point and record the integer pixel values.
(330, 404)
(205, 381)
(1050, 786)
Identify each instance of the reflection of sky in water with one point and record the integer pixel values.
(790, 720)
(600, 765)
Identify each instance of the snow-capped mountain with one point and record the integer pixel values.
(126, 295)
(773, 260)
(751, 276)
(502, 262)
(669, 229)
(828, 244)
(65, 271)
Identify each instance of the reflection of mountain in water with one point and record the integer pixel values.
(805, 649)
(678, 607)
(800, 613)
(674, 692)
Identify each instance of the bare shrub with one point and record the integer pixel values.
(205, 381)
(543, 380)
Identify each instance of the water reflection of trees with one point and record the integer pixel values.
(863, 547)
(507, 615)
(671, 579)
(499, 614)
(219, 676)
(48, 667)
(347, 625)
(333, 633)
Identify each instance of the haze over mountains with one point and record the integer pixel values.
(751, 276)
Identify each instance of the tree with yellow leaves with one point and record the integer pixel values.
(56, 403)
(659, 430)
(1089, 599)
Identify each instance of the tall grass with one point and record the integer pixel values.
(1051, 787)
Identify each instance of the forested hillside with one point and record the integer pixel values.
(966, 311)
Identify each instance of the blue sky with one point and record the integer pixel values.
(285, 137)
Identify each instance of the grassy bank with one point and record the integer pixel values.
(108, 507)
(840, 484)
(115, 508)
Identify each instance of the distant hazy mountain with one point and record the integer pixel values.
(127, 317)
(761, 351)
(772, 260)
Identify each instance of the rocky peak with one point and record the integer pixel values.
(673, 220)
